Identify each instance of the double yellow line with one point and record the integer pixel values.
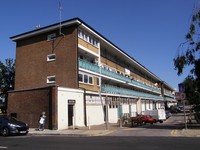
(174, 132)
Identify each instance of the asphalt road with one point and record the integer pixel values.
(167, 128)
(148, 137)
(98, 143)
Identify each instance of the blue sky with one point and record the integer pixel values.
(148, 30)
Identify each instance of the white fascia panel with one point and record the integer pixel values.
(39, 31)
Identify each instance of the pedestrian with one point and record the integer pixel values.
(42, 121)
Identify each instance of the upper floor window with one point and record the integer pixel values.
(83, 35)
(51, 57)
(85, 78)
(51, 79)
(98, 81)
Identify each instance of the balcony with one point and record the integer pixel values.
(95, 68)
(169, 99)
(169, 94)
(105, 88)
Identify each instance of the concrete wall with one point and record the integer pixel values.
(65, 94)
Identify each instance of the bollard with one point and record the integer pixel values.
(120, 123)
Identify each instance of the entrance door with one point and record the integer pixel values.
(70, 114)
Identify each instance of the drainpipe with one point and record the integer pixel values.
(84, 105)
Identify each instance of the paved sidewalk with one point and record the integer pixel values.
(193, 130)
(98, 130)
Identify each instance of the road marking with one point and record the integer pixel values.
(3, 147)
(174, 132)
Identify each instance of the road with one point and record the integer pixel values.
(98, 143)
(148, 137)
(167, 128)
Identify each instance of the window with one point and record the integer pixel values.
(90, 80)
(98, 84)
(80, 34)
(88, 38)
(80, 77)
(85, 78)
(51, 57)
(51, 79)
(51, 37)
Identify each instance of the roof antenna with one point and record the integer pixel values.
(60, 13)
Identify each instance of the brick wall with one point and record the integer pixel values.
(32, 67)
(29, 104)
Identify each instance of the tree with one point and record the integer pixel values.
(189, 51)
(7, 77)
(190, 90)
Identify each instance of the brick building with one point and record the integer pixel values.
(78, 77)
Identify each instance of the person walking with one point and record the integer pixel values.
(42, 121)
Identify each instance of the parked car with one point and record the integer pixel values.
(158, 114)
(175, 109)
(11, 126)
(148, 119)
(143, 119)
(168, 114)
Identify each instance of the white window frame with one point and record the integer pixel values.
(81, 77)
(88, 38)
(49, 79)
(98, 81)
(86, 78)
(49, 57)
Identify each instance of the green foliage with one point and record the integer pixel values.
(7, 77)
(190, 90)
(179, 63)
(189, 55)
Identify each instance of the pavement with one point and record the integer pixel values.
(192, 130)
(97, 130)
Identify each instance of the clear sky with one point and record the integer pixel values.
(148, 30)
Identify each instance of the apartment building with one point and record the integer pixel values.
(80, 78)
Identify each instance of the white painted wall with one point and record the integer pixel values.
(94, 110)
(95, 114)
(149, 105)
(125, 108)
(133, 110)
(64, 94)
(112, 115)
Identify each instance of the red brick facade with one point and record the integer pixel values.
(32, 67)
(29, 100)
(29, 104)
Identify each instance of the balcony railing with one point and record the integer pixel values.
(95, 68)
(168, 94)
(105, 88)
(169, 99)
